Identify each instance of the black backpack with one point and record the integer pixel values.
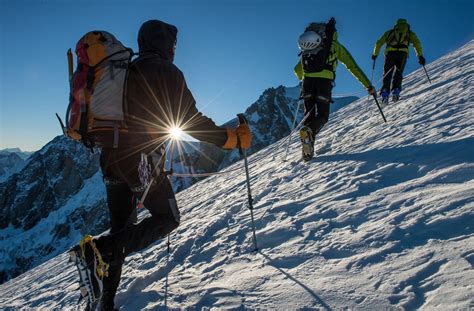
(316, 60)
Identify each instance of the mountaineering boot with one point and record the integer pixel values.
(92, 270)
(395, 95)
(385, 94)
(307, 143)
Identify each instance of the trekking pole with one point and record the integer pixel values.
(167, 262)
(380, 109)
(373, 70)
(371, 77)
(243, 120)
(292, 127)
(426, 72)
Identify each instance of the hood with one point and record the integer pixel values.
(401, 21)
(157, 37)
(401, 26)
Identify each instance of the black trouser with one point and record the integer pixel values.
(120, 170)
(395, 62)
(317, 99)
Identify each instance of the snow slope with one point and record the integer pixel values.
(382, 218)
(55, 193)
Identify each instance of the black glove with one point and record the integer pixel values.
(421, 60)
(374, 56)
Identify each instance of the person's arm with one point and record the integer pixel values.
(378, 45)
(346, 58)
(203, 128)
(193, 122)
(416, 44)
(298, 70)
(159, 99)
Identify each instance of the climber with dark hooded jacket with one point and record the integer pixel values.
(157, 99)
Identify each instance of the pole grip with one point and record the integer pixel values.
(242, 120)
(70, 64)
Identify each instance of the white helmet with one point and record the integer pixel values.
(309, 41)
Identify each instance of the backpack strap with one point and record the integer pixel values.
(392, 36)
(408, 34)
(113, 54)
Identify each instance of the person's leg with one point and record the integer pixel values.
(165, 217)
(306, 134)
(400, 61)
(119, 195)
(388, 70)
(309, 103)
(322, 117)
(323, 102)
(161, 203)
(120, 201)
(122, 210)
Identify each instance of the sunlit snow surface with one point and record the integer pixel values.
(383, 217)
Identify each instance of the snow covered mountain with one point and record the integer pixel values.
(22, 154)
(57, 196)
(55, 191)
(12, 160)
(382, 218)
(8, 162)
(271, 118)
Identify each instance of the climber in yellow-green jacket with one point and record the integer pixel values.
(320, 53)
(397, 41)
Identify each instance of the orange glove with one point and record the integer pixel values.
(241, 134)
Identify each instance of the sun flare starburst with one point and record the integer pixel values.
(176, 133)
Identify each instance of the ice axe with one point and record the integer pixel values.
(70, 67)
(243, 120)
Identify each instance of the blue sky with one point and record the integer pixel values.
(229, 51)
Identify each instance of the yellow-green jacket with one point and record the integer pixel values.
(338, 52)
(396, 39)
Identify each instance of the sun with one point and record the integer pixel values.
(176, 132)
